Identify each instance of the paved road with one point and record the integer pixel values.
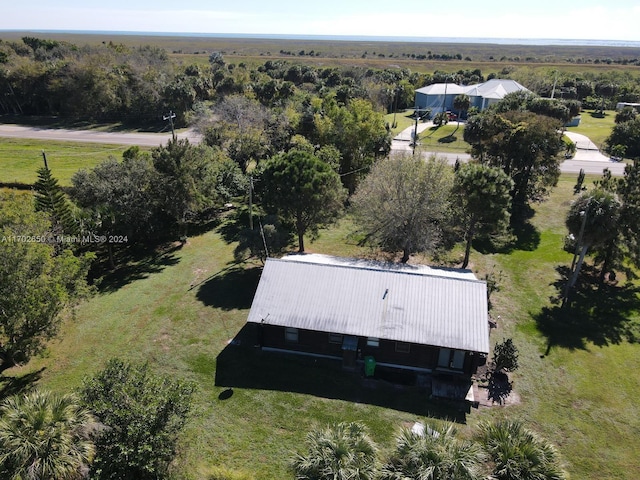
(90, 136)
(592, 161)
(587, 156)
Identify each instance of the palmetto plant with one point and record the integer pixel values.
(435, 455)
(519, 454)
(45, 437)
(338, 452)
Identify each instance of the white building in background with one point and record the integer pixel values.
(439, 96)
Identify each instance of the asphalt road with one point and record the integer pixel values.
(592, 161)
(90, 136)
(587, 156)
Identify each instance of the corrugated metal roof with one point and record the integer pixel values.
(495, 88)
(441, 89)
(374, 301)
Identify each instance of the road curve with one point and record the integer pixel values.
(592, 162)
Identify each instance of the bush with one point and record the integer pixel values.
(143, 414)
(505, 356)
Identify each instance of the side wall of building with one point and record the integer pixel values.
(389, 352)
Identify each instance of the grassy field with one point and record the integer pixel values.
(21, 158)
(490, 58)
(594, 127)
(180, 308)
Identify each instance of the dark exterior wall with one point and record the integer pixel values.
(308, 341)
(420, 356)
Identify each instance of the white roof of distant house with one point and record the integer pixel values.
(442, 88)
(495, 88)
(407, 303)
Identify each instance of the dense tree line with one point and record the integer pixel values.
(114, 82)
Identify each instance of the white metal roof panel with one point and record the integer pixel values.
(442, 89)
(374, 301)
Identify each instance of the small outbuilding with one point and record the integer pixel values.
(358, 311)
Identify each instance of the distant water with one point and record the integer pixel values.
(363, 38)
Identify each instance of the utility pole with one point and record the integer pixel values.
(396, 90)
(251, 203)
(170, 117)
(416, 113)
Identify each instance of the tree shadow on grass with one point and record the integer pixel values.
(235, 222)
(499, 387)
(230, 288)
(448, 139)
(133, 264)
(524, 236)
(527, 237)
(20, 384)
(602, 316)
(243, 365)
(116, 125)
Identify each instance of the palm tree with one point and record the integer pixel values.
(519, 454)
(461, 103)
(436, 455)
(45, 437)
(592, 219)
(339, 452)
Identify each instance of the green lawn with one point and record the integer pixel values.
(447, 138)
(402, 119)
(21, 158)
(180, 311)
(597, 129)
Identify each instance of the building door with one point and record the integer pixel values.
(349, 352)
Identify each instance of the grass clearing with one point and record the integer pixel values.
(403, 119)
(594, 127)
(21, 158)
(447, 138)
(182, 310)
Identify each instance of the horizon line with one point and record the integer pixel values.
(377, 38)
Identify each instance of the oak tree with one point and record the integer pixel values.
(303, 190)
(403, 202)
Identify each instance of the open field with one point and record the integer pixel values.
(180, 308)
(490, 58)
(21, 158)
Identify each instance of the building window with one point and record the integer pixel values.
(453, 359)
(403, 347)
(291, 335)
(335, 338)
(373, 342)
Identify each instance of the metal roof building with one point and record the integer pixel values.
(440, 96)
(419, 305)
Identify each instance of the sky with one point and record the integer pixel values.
(537, 19)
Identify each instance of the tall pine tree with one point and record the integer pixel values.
(51, 199)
